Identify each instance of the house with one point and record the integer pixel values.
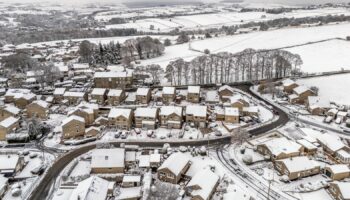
(193, 94)
(130, 158)
(171, 117)
(251, 111)
(115, 97)
(93, 187)
(212, 97)
(99, 95)
(303, 93)
(173, 168)
(309, 148)
(7, 126)
(340, 190)
(225, 92)
(143, 161)
(86, 113)
(72, 127)
(131, 181)
(337, 172)
(108, 161)
(330, 143)
(8, 110)
(203, 185)
(113, 79)
(146, 118)
(231, 115)
(58, 94)
(332, 113)
(4, 183)
(129, 193)
(197, 115)
(219, 113)
(238, 101)
(343, 155)
(289, 85)
(21, 101)
(10, 164)
(120, 118)
(317, 106)
(12, 94)
(154, 160)
(143, 95)
(297, 167)
(92, 131)
(38, 109)
(74, 98)
(279, 148)
(168, 95)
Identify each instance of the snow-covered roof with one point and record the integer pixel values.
(131, 178)
(293, 96)
(343, 154)
(155, 158)
(175, 163)
(144, 161)
(8, 161)
(142, 91)
(238, 97)
(108, 158)
(41, 103)
(196, 110)
(85, 104)
(74, 94)
(317, 102)
(344, 189)
(168, 90)
(12, 109)
(306, 144)
(251, 109)
(281, 145)
(92, 128)
(206, 180)
(6, 123)
(339, 168)
(92, 188)
(212, 96)
(167, 110)
(194, 89)
(116, 112)
(226, 87)
(129, 193)
(114, 93)
(287, 82)
(98, 91)
(229, 111)
(146, 112)
(300, 89)
(112, 74)
(332, 142)
(297, 164)
(71, 118)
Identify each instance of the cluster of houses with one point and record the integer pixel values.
(111, 171)
(296, 159)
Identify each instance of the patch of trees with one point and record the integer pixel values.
(224, 67)
(115, 53)
(117, 20)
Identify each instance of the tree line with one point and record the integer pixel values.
(225, 67)
(116, 53)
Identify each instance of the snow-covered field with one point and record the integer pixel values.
(333, 87)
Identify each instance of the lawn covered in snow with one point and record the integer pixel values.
(335, 87)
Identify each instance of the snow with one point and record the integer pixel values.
(175, 163)
(42, 103)
(91, 189)
(6, 123)
(196, 110)
(71, 118)
(340, 168)
(146, 112)
(142, 91)
(116, 112)
(168, 90)
(129, 193)
(297, 164)
(332, 88)
(107, 158)
(132, 178)
(206, 180)
(12, 109)
(300, 89)
(8, 162)
(344, 189)
(144, 161)
(98, 91)
(114, 93)
(194, 89)
(112, 75)
(167, 110)
(281, 145)
(231, 111)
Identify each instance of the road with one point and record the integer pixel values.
(43, 189)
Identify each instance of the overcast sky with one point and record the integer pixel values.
(290, 2)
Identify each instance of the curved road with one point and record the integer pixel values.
(48, 179)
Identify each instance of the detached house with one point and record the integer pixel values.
(21, 101)
(7, 126)
(146, 118)
(171, 117)
(120, 118)
(108, 161)
(203, 185)
(231, 115)
(196, 114)
(173, 168)
(225, 92)
(7, 111)
(297, 167)
(113, 79)
(289, 85)
(238, 101)
(301, 94)
(115, 97)
(99, 95)
(279, 148)
(340, 190)
(317, 106)
(72, 127)
(143, 95)
(38, 109)
(75, 97)
(337, 172)
(58, 94)
(86, 113)
(168, 95)
(193, 94)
